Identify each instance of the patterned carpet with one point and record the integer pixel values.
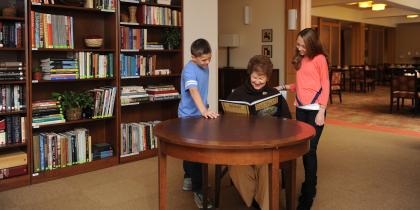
(372, 109)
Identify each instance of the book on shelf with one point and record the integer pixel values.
(133, 94)
(155, 15)
(137, 137)
(13, 158)
(11, 34)
(98, 4)
(104, 100)
(12, 98)
(58, 150)
(164, 2)
(6, 173)
(12, 130)
(46, 112)
(243, 107)
(51, 31)
(101, 151)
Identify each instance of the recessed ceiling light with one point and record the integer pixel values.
(412, 16)
(365, 4)
(352, 3)
(378, 7)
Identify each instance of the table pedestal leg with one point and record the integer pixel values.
(162, 181)
(275, 181)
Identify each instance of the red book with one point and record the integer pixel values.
(13, 171)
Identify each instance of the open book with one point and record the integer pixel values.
(243, 107)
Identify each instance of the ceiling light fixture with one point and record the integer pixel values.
(378, 7)
(365, 4)
(352, 3)
(412, 16)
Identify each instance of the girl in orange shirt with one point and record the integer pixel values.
(312, 91)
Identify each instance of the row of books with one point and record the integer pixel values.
(133, 95)
(59, 69)
(165, 2)
(162, 92)
(13, 163)
(11, 34)
(12, 70)
(12, 130)
(59, 150)
(159, 15)
(99, 4)
(45, 112)
(137, 65)
(104, 100)
(137, 137)
(51, 31)
(12, 98)
(133, 38)
(85, 65)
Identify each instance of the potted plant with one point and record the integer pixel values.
(10, 11)
(37, 73)
(74, 103)
(172, 38)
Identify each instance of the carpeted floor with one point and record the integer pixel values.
(358, 169)
(372, 108)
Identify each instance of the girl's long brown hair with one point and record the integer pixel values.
(312, 44)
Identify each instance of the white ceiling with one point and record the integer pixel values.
(394, 14)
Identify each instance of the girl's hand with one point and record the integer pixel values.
(320, 117)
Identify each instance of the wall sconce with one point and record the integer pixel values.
(229, 41)
(378, 7)
(292, 19)
(247, 15)
(365, 4)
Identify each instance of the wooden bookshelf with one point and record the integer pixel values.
(10, 183)
(141, 156)
(85, 22)
(17, 53)
(73, 170)
(172, 59)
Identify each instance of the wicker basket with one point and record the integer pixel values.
(73, 114)
(95, 43)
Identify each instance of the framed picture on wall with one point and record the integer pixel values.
(267, 50)
(267, 35)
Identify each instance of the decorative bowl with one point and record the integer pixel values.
(94, 42)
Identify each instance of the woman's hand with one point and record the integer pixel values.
(320, 117)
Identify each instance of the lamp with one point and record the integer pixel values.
(378, 7)
(412, 16)
(292, 19)
(247, 15)
(365, 4)
(229, 41)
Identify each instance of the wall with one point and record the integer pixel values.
(407, 44)
(265, 14)
(200, 21)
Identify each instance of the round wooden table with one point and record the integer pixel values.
(232, 140)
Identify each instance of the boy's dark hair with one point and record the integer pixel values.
(200, 47)
(260, 64)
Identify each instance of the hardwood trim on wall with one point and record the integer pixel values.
(290, 46)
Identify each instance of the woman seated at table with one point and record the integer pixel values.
(252, 182)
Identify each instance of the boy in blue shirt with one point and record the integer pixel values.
(194, 91)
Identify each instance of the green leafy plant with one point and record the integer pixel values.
(70, 99)
(172, 38)
(36, 69)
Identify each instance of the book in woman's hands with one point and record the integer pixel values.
(243, 107)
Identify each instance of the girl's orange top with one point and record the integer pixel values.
(311, 78)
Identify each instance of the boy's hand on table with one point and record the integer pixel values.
(209, 114)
